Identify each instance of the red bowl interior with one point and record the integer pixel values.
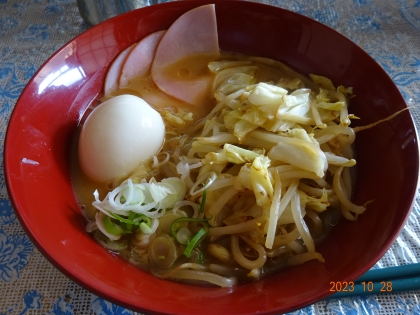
(44, 121)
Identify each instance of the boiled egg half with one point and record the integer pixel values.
(117, 136)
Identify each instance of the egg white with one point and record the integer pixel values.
(118, 135)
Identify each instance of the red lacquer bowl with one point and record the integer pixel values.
(44, 122)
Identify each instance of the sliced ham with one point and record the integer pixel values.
(191, 35)
(113, 74)
(139, 60)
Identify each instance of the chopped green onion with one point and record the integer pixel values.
(136, 197)
(203, 201)
(129, 226)
(121, 219)
(141, 218)
(112, 228)
(175, 224)
(136, 220)
(195, 241)
(145, 228)
(183, 236)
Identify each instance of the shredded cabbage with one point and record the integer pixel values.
(232, 154)
(261, 182)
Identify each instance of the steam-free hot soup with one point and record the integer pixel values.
(212, 167)
(232, 190)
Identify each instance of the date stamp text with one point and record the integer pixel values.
(365, 286)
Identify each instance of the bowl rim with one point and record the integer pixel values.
(96, 289)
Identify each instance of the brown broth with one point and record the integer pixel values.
(188, 69)
(83, 186)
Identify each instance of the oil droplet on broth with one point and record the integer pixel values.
(191, 68)
(183, 72)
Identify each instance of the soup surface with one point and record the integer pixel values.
(244, 185)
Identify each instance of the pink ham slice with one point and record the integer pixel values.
(139, 61)
(192, 34)
(113, 74)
